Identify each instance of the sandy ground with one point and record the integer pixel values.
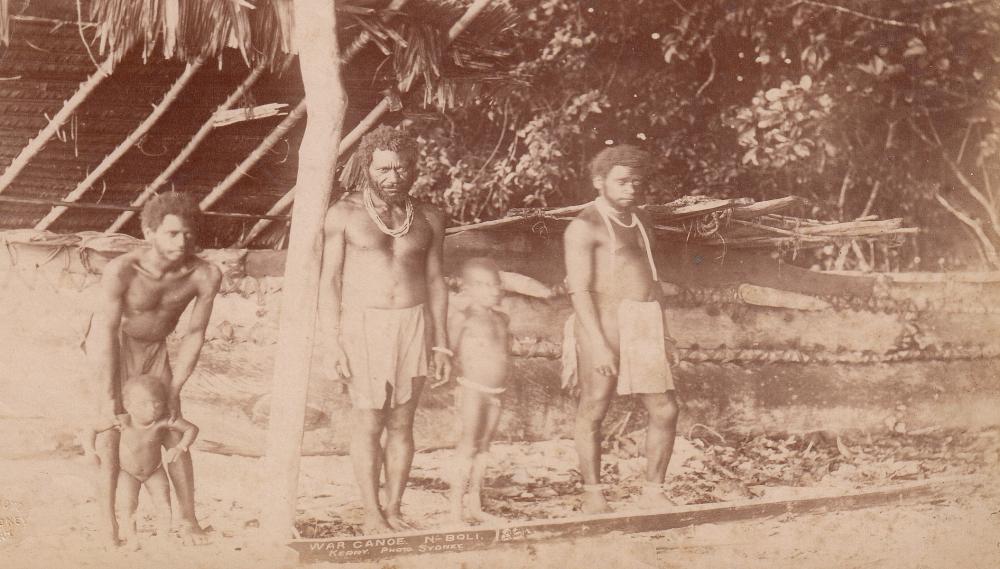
(48, 514)
(50, 500)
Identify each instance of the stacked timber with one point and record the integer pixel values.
(737, 223)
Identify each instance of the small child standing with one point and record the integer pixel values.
(143, 428)
(480, 337)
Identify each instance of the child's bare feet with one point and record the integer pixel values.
(397, 523)
(456, 515)
(130, 534)
(110, 537)
(476, 513)
(593, 501)
(479, 516)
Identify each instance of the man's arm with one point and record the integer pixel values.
(88, 437)
(331, 289)
(671, 344)
(579, 245)
(188, 431)
(209, 279)
(104, 327)
(456, 322)
(437, 293)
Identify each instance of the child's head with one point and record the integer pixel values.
(145, 398)
(481, 281)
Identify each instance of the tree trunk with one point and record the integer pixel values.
(319, 60)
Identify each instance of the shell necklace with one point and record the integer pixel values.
(607, 213)
(398, 232)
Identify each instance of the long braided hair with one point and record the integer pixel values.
(354, 176)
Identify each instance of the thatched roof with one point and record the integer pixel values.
(261, 31)
(45, 59)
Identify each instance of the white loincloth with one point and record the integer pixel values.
(386, 348)
(643, 366)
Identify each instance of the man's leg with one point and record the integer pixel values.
(367, 426)
(399, 456)
(663, 411)
(107, 483)
(182, 477)
(596, 391)
(590, 413)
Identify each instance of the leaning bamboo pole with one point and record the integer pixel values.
(135, 136)
(273, 138)
(279, 132)
(319, 61)
(69, 107)
(364, 126)
(188, 149)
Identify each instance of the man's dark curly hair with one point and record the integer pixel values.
(170, 203)
(355, 174)
(622, 155)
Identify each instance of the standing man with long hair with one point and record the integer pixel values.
(383, 311)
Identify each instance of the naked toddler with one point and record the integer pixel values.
(143, 428)
(480, 337)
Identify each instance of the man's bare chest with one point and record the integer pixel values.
(363, 237)
(145, 294)
(625, 242)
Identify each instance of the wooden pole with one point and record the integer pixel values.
(127, 144)
(364, 126)
(319, 61)
(188, 149)
(273, 138)
(279, 131)
(69, 107)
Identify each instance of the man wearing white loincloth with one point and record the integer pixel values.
(383, 310)
(618, 338)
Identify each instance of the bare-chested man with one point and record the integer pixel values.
(383, 310)
(621, 338)
(143, 294)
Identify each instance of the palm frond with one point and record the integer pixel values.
(261, 30)
(189, 29)
(450, 74)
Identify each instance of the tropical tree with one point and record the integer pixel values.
(866, 108)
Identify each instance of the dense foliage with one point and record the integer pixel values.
(887, 108)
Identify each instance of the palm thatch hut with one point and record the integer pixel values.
(422, 43)
(80, 85)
